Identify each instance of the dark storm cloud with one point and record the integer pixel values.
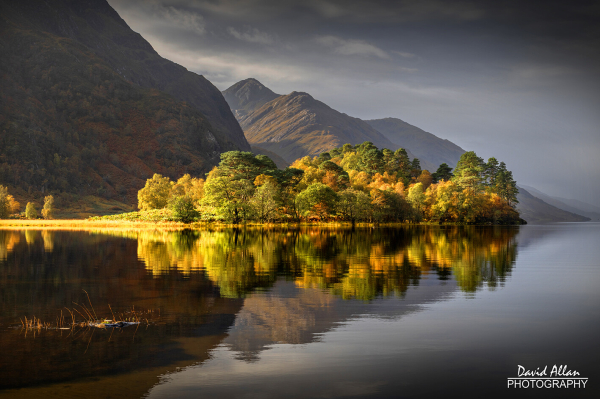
(513, 79)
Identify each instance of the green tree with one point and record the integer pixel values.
(244, 165)
(443, 173)
(506, 186)
(227, 199)
(318, 200)
(155, 194)
(30, 211)
(415, 168)
(416, 197)
(490, 171)
(184, 209)
(48, 209)
(265, 201)
(468, 172)
(354, 205)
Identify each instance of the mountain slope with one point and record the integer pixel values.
(296, 125)
(424, 145)
(247, 95)
(97, 26)
(536, 211)
(73, 122)
(572, 206)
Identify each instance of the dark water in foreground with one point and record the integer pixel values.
(308, 313)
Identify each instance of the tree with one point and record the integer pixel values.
(318, 200)
(5, 207)
(443, 173)
(155, 194)
(490, 171)
(387, 205)
(227, 199)
(506, 186)
(468, 172)
(48, 209)
(265, 200)
(244, 165)
(30, 211)
(354, 205)
(184, 209)
(425, 178)
(416, 197)
(415, 168)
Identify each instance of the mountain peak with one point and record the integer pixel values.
(247, 95)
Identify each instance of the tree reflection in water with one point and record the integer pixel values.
(350, 263)
(198, 279)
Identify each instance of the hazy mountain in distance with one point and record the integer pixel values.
(87, 107)
(247, 95)
(424, 145)
(536, 211)
(569, 205)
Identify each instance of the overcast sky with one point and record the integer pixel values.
(516, 80)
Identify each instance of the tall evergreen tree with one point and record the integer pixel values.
(443, 172)
(469, 170)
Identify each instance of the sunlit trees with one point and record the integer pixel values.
(317, 201)
(184, 209)
(48, 209)
(351, 183)
(227, 199)
(469, 170)
(425, 178)
(30, 211)
(266, 199)
(155, 194)
(4, 206)
(354, 205)
(8, 204)
(416, 197)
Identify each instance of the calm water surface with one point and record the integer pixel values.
(300, 313)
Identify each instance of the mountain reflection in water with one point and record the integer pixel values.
(243, 288)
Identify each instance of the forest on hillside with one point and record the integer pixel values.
(358, 183)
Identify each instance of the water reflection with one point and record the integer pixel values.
(361, 264)
(245, 288)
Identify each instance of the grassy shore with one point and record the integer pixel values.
(78, 224)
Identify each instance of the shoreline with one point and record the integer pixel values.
(83, 224)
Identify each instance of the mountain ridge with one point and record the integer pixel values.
(75, 125)
(249, 97)
(296, 124)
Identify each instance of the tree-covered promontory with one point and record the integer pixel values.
(358, 183)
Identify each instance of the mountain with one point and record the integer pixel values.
(296, 125)
(569, 205)
(87, 107)
(246, 96)
(424, 145)
(536, 211)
